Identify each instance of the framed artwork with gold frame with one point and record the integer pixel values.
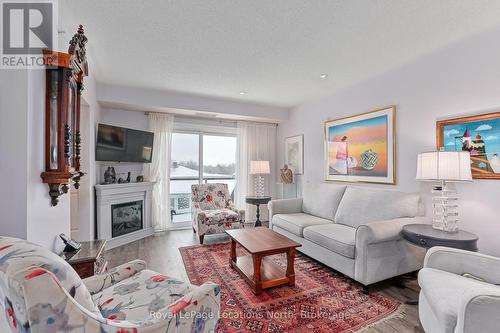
(480, 135)
(362, 147)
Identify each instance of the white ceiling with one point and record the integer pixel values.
(274, 50)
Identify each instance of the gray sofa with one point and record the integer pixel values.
(354, 230)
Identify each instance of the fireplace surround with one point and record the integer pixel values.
(123, 212)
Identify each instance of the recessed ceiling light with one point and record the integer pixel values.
(323, 76)
(243, 92)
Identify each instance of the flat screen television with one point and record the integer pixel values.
(119, 144)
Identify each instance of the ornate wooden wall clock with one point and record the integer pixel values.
(64, 85)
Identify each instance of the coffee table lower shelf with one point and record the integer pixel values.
(271, 274)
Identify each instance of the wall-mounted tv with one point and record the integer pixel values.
(119, 144)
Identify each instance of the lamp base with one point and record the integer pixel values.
(259, 186)
(445, 208)
(439, 225)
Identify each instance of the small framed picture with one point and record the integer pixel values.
(294, 153)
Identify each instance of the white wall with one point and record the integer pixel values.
(44, 222)
(184, 104)
(89, 116)
(24, 200)
(13, 156)
(460, 79)
(129, 119)
(138, 120)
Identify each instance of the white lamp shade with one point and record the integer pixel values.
(259, 167)
(444, 165)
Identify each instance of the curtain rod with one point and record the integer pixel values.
(147, 113)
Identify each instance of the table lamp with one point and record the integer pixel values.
(444, 167)
(259, 168)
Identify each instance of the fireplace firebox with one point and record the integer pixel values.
(126, 218)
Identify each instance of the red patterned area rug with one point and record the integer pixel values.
(322, 299)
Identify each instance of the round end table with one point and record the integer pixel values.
(424, 235)
(257, 201)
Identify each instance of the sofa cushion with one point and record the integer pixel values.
(133, 299)
(217, 216)
(338, 238)
(361, 205)
(321, 199)
(295, 223)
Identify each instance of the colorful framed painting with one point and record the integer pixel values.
(480, 135)
(362, 148)
(294, 154)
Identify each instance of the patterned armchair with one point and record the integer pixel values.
(213, 211)
(41, 293)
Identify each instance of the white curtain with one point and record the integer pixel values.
(159, 169)
(256, 141)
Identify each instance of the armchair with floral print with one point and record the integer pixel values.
(213, 210)
(41, 293)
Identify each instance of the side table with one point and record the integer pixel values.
(424, 235)
(89, 259)
(257, 201)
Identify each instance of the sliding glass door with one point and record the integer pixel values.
(198, 158)
(184, 172)
(219, 160)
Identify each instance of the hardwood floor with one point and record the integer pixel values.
(161, 252)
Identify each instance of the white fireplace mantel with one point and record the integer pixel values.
(112, 194)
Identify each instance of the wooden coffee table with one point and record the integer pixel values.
(258, 271)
